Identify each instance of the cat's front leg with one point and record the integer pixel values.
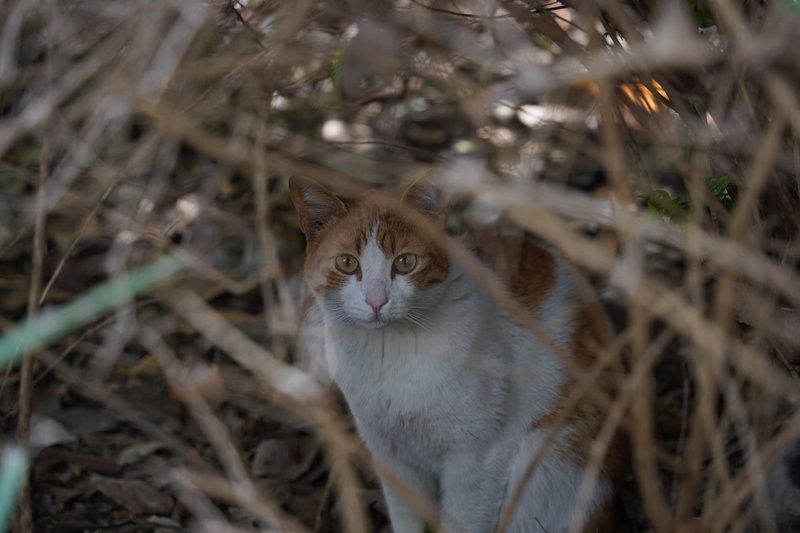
(399, 483)
(472, 491)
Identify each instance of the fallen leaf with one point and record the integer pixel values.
(135, 495)
(287, 458)
(136, 452)
(46, 432)
(83, 421)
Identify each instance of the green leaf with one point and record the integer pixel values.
(719, 188)
(660, 202)
(702, 18)
(336, 69)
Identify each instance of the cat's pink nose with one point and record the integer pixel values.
(376, 300)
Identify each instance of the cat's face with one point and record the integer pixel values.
(368, 260)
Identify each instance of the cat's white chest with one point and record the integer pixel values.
(398, 372)
(412, 389)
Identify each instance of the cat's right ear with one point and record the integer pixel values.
(315, 205)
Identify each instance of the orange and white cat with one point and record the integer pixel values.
(447, 388)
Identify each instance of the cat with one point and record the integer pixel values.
(447, 388)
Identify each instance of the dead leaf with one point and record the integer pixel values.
(136, 452)
(287, 458)
(82, 421)
(135, 495)
(206, 379)
(47, 432)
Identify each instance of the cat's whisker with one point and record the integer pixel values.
(419, 321)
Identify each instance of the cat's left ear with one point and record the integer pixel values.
(316, 206)
(429, 200)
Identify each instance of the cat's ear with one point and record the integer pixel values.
(315, 205)
(428, 199)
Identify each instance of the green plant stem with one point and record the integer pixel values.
(50, 325)
(13, 471)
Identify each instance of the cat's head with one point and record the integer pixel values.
(373, 260)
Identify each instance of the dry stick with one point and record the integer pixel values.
(783, 94)
(745, 206)
(680, 446)
(694, 452)
(143, 149)
(199, 505)
(84, 334)
(735, 493)
(754, 469)
(75, 240)
(292, 387)
(714, 342)
(24, 518)
(214, 429)
(695, 446)
(221, 280)
(681, 315)
(725, 298)
(268, 257)
(697, 244)
(646, 467)
(726, 254)
(707, 393)
(327, 492)
(219, 488)
(725, 293)
(712, 369)
(630, 389)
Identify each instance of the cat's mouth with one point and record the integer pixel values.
(375, 322)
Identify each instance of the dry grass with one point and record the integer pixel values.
(660, 159)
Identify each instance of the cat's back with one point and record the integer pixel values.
(542, 282)
(524, 266)
(546, 285)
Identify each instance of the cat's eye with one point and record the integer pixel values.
(347, 264)
(405, 263)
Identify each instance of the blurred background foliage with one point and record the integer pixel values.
(654, 143)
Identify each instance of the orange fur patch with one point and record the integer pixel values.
(527, 269)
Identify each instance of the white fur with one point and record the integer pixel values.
(447, 399)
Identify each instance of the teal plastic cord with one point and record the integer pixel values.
(13, 471)
(50, 325)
